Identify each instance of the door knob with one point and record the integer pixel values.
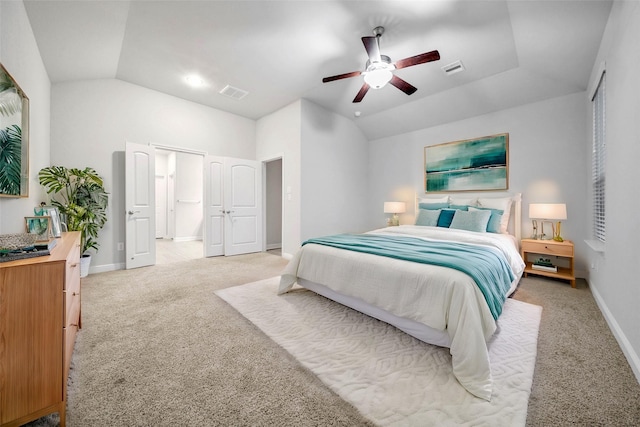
(133, 212)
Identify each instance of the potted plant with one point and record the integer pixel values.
(81, 198)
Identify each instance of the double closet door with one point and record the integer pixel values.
(232, 206)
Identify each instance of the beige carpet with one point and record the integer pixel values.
(159, 348)
(391, 378)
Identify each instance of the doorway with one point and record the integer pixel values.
(273, 190)
(179, 205)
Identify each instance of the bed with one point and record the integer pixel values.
(441, 283)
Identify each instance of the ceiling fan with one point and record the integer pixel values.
(379, 68)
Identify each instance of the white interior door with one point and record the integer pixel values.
(214, 215)
(243, 206)
(140, 248)
(233, 206)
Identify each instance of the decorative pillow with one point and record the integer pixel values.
(446, 216)
(503, 204)
(493, 226)
(428, 217)
(468, 201)
(433, 206)
(471, 220)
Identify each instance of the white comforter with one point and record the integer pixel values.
(439, 297)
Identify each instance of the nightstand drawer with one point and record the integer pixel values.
(548, 248)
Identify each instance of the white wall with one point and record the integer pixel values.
(20, 56)
(613, 278)
(334, 160)
(91, 120)
(279, 135)
(546, 161)
(325, 171)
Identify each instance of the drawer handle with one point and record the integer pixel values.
(75, 293)
(74, 265)
(73, 324)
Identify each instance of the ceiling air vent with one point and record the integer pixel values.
(233, 92)
(454, 67)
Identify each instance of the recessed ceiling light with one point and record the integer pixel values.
(194, 80)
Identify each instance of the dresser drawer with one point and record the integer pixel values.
(73, 267)
(548, 248)
(71, 306)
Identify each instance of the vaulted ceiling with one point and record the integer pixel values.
(513, 52)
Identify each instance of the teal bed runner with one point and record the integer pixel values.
(485, 265)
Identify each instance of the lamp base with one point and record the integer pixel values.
(556, 233)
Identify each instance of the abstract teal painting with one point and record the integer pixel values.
(479, 164)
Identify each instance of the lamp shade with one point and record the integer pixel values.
(395, 207)
(557, 211)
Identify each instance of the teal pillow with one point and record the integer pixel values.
(471, 220)
(428, 217)
(446, 216)
(433, 206)
(493, 226)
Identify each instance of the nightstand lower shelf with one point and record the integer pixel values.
(563, 273)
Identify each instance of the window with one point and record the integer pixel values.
(598, 160)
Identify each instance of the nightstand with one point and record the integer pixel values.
(549, 248)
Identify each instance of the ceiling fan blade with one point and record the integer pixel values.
(373, 50)
(402, 85)
(363, 91)
(434, 55)
(341, 76)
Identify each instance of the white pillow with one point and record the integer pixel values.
(442, 199)
(503, 204)
(462, 201)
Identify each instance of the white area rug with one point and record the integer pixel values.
(392, 378)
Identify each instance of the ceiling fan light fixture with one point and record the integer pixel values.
(377, 78)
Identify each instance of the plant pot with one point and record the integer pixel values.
(85, 260)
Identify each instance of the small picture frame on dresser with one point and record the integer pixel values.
(40, 226)
(52, 211)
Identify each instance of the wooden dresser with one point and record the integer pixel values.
(39, 319)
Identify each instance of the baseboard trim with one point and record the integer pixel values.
(186, 239)
(625, 345)
(106, 267)
(270, 246)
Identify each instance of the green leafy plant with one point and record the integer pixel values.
(81, 198)
(10, 159)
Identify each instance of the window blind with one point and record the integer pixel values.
(598, 160)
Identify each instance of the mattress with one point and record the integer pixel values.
(436, 304)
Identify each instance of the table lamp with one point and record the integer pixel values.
(547, 212)
(394, 208)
